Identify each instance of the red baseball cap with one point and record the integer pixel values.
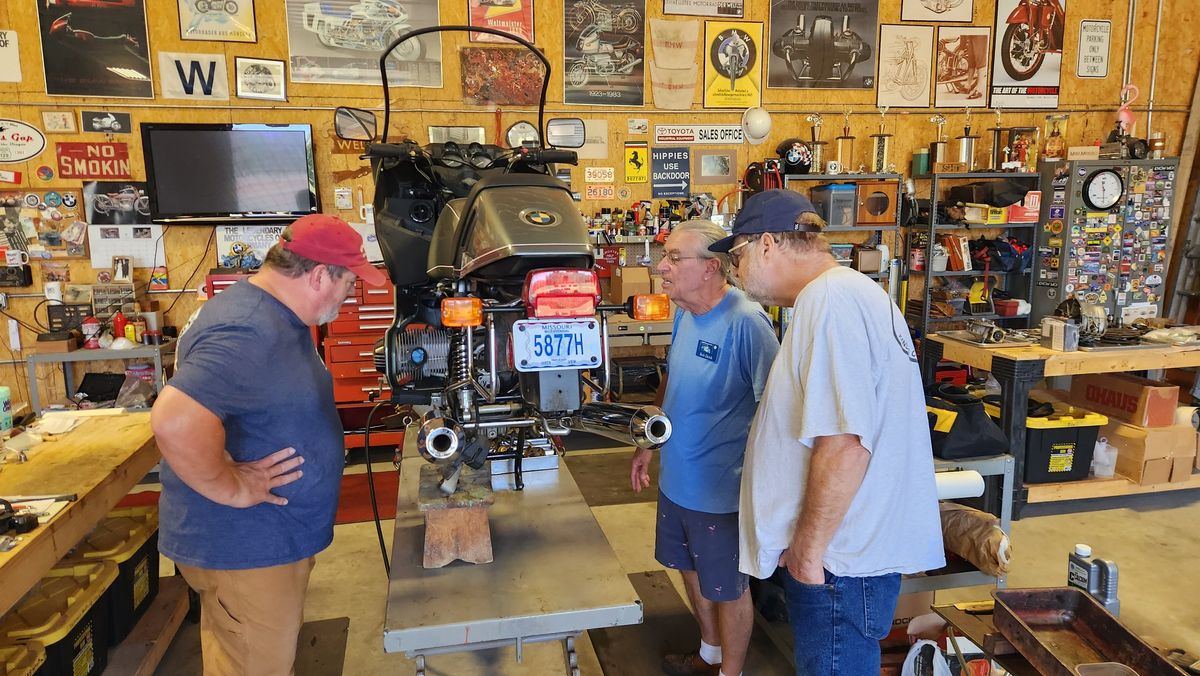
(330, 240)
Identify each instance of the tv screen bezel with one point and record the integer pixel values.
(225, 218)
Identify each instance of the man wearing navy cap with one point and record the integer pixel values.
(253, 447)
(837, 485)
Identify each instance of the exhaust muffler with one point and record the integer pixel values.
(642, 426)
(440, 440)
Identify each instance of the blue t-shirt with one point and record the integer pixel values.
(252, 362)
(717, 370)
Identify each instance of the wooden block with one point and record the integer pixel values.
(457, 533)
(141, 651)
(474, 489)
(995, 644)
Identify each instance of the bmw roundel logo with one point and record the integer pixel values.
(540, 218)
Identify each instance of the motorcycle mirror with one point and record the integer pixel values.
(354, 124)
(565, 132)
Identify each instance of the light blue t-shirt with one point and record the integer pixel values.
(717, 370)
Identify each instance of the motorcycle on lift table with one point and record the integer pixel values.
(499, 325)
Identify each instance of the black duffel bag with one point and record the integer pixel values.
(959, 426)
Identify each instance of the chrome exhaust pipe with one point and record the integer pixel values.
(642, 426)
(440, 440)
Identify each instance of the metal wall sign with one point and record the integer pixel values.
(670, 172)
(698, 134)
(599, 175)
(19, 141)
(1095, 38)
(92, 160)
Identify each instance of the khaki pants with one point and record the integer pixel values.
(250, 619)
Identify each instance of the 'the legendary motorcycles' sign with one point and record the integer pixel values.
(93, 160)
(695, 134)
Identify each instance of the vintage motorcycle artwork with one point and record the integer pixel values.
(961, 64)
(818, 54)
(126, 200)
(602, 58)
(225, 6)
(905, 74)
(617, 19)
(369, 26)
(499, 327)
(1034, 29)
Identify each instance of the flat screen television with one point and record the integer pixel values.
(229, 173)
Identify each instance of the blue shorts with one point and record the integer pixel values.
(706, 543)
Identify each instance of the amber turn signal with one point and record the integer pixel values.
(462, 312)
(651, 307)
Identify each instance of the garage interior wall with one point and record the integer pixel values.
(1090, 102)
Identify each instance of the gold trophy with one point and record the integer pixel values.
(879, 145)
(845, 143)
(966, 143)
(937, 149)
(817, 146)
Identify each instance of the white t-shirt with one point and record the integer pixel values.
(846, 366)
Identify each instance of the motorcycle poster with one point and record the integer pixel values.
(937, 10)
(245, 246)
(732, 64)
(905, 64)
(961, 67)
(96, 49)
(116, 203)
(510, 16)
(603, 52)
(217, 20)
(1027, 55)
(105, 122)
(339, 42)
(814, 48)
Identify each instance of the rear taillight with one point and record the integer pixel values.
(561, 293)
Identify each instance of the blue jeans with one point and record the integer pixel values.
(837, 626)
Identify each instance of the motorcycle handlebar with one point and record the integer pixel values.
(545, 156)
(388, 149)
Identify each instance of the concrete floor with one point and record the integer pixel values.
(1154, 540)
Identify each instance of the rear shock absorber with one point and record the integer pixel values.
(459, 368)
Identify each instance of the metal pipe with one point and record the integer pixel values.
(440, 440)
(607, 354)
(643, 426)
(509, 408)
(489, 424)
(1128, 69)
(494, 383)
(1153, 71)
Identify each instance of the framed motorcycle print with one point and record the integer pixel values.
(264, 79)
(937, 10)
(797, 34)
(95, 49)
(1027, 56)
(905, 64)
(604, 52)
(217, 20)
(732, 64)
(961, 67)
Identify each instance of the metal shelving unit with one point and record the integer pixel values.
(917, 310)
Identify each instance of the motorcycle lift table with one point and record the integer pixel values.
(554, 575)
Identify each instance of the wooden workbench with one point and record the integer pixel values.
(1018, 369)
(99, 461)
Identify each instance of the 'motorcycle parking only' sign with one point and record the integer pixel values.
(670, 172)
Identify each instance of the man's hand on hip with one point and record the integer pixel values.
(639, 473)
(256, 480)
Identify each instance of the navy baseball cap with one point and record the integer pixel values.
(769, 211)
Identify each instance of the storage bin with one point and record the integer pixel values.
(67, 613)
(837, 203)
(21, 659)
(128, 538)
(1058, 447)
(1007, 308)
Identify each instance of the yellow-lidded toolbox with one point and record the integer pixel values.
(129, 538)
(21, 659)
(1059, 440)
(67, 613)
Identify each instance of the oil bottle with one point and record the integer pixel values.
(1097, 577)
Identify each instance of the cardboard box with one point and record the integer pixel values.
(1152, 455)
(1181, 468)
(908, 606)
(866, 260)
(55, 346)
(632, 280)
(1156, 471)
(1143, 402)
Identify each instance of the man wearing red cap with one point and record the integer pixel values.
(253, 447)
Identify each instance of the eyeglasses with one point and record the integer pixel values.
(674, 258)
(735, 256)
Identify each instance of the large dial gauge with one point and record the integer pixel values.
(1103, 189)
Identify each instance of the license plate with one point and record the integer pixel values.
(540, 345)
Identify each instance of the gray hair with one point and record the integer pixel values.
(805, 242)
(709, 233)
(294, 265)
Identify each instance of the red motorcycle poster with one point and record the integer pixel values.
(95, 49)
(510, 16)
(604, 51)
(1027, 57)
(811, 47)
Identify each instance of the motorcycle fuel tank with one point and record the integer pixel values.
(508, 226)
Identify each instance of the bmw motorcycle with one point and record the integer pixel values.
(1034, 29)
(366, 26)
(499, 326)
(820, 54)
(602, 58)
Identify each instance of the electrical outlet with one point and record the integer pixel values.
(14, 335)
(3, 301)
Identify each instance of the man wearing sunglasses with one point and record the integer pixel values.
(722, 346)
(837, 488)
